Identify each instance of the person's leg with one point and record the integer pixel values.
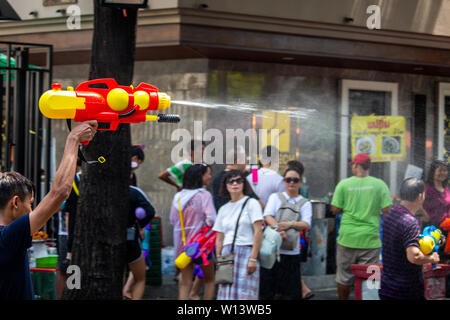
(62, 265)
(126, 291)
(343, 291)
(138, 270)
(368, 256)
(196, 287)
(267, 282)
(60, 283)
(185, 282)
(208, 280)
(344, 259)
(288, 286)
(305, 290)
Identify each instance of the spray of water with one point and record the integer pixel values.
(246, 108)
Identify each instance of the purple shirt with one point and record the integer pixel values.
(400, 279)
(437, 204)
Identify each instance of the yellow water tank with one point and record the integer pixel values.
(60, 104)
(426, 244)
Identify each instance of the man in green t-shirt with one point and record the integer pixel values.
(176, 172)
(360, 199)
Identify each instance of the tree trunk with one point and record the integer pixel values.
(100, 227)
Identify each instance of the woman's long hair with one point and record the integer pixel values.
(193, 177)
(433, 167)
(223, 192)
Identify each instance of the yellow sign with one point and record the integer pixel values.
(282, 122)
(381, 137)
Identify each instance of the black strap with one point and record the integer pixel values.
(237, 224)
(100, 159)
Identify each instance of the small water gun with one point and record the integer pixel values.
(446, 226)
(107, 102)
(429, 240)
(200, 245)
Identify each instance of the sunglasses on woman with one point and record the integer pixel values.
(294, 180)
(233, 180)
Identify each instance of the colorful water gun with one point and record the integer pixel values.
(141, 214)
(107, 102)
(146, 245)
(200, 245)
(429, 240)
(446, 226)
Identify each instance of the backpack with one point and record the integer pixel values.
(289, 212)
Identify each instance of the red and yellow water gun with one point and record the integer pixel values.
(107, 102)
(200, 245)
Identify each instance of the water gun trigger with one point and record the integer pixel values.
(108, 126)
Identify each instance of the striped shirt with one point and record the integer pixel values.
(400, 279)
(177, 171)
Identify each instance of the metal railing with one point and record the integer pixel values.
(25, 142)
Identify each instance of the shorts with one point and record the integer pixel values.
(345, 257)
(134, 251)
(199, 260)
(62, 252)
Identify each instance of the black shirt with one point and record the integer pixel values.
(15, 278)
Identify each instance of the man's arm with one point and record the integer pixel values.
(335, 210)
(165, 176)
(386, 210)
(415, 256)
(62, 182)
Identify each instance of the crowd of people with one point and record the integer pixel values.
(361, 200)
(238, 208)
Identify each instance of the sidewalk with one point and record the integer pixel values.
(323, 287)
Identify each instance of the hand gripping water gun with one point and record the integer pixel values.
(429, 240)
(107, 102)
(446, 226)
(200, 245)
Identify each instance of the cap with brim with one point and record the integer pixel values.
(361, 158)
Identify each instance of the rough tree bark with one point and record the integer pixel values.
(100, 227)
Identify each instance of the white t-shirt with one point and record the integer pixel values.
(274, 203)
(227, 218)
(269, 181)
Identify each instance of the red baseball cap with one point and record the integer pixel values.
(361, 158)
